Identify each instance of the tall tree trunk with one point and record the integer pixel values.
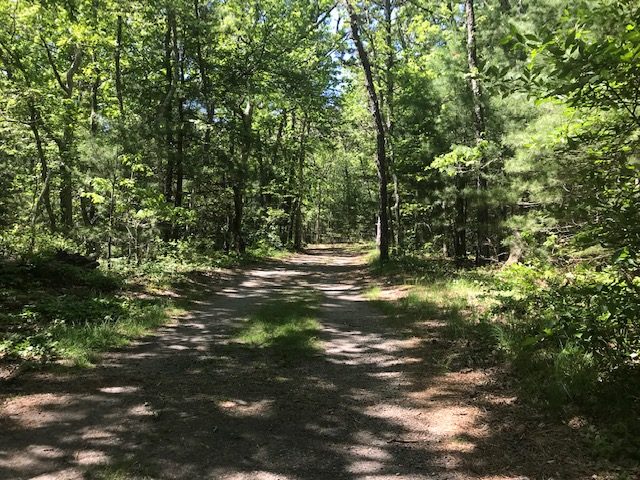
(460, 223)
(396, 211)
(181, 124)
(168, 107)
(180, 155)
(390, 81)
(67, 145)
(238, 207)
(66, 194)
(239, 180)
(482, 240)
(205, 82)
(118, 68)
(381, 156)
(87, 207)
(297, 237)
(318, 210)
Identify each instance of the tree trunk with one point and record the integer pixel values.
(516, 249)
(396, 212)
(45, 174)
(168, 108)
(239, 180)
(87, 207)
(204, 80)
(318, 210)
(390, 80)
(297, 236)
(36, 209)
(460, 224)
(236, 226)
(66, 173)
(381, 156)
(482, 241)
(65, 144)
(181, 124)
(118, 68)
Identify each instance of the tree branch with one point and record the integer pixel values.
(54, 68)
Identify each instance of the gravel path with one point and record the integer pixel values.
(191, 403)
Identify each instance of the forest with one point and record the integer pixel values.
(488, 150)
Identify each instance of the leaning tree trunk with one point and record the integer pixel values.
(381, 155)
(45, 172)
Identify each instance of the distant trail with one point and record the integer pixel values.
(191, 403)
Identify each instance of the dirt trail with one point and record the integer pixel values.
(191, 403)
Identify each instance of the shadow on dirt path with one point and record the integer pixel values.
(190, 402)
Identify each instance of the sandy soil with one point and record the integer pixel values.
(191, 403)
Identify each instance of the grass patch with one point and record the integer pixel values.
(362, 248)
(81, 343)
(121, 470)
(92, 311)
(286, 326)
(456, 304)
(453, 299)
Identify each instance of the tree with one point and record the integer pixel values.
(381, 140)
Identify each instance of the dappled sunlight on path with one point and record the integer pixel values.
(192, 402)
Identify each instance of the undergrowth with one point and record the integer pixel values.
(569, 335)
(51, 310)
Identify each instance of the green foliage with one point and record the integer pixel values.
(172, 138)
(91, 313)
(572, 336)
(583, 324)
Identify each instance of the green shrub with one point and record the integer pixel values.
(573, 333)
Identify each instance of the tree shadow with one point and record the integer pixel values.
(193, 402)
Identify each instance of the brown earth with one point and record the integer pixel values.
(190, 402)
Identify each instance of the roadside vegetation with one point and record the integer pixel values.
(568, 334)
(52, 310)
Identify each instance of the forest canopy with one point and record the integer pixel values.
(508, 128)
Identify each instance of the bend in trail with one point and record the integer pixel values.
(190, 402)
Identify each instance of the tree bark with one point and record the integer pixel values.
(35, 121)
(297, 236)
(205, 82)
(181, 124)
(381, 156)
(460, 224)
(238, 186)
(118, 68)
(66, 144)
(390, 81)
(482, 241)
(45, 173)
(87, 207)
(238, 211)
(168, 108)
